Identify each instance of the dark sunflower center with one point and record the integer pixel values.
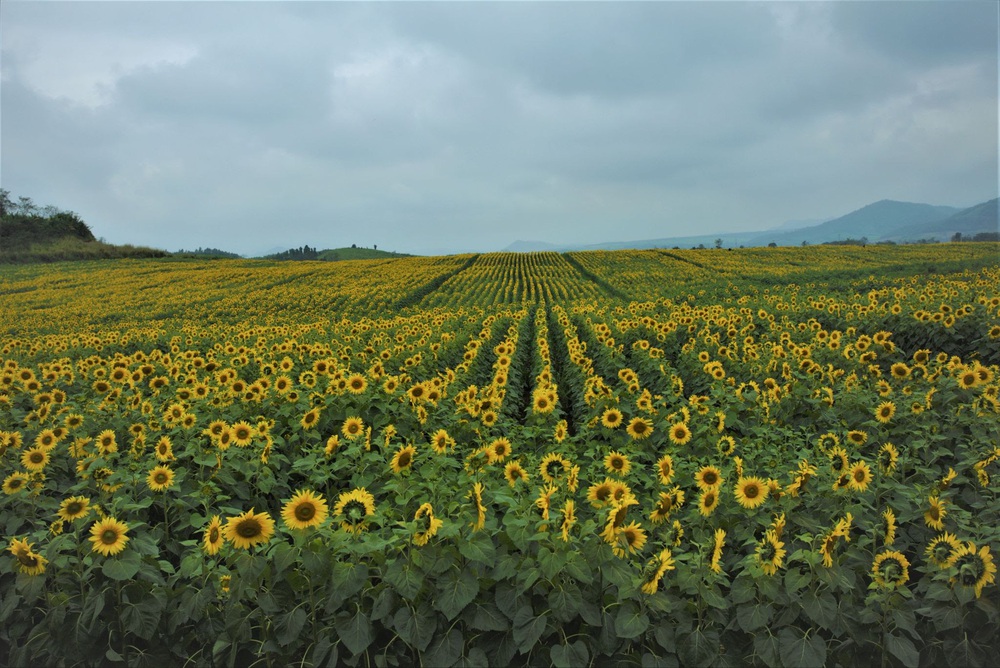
(249, 528)
(404, 459)
(554, 468)
(74, 507)
(617, 463)
(500, 449)
(891, 570)
(354, 510)
(639, 427)
(942, 551)
(213, 535)
(353, 428)
(679, 432)
(934, 513)
(305, 512)
(28, 560)
(709, 500)
(859, 475)
(161, 478)
(710, 478)
(602, 493)
(751, 491)
(36, 457)
(109, 537)
(768, 552)
(243, 434)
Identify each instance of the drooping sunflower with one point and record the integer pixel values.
(160, 478)
(243, 432)
(888, 456)
(29, 562)
(15, 482)
(889, 535)
(770, 552)
(331, 446)
(477, 495)
(353, 428)
(838, 460)
(616, 519)
(943, 550)
(720, 540)
(708, 502)
(569, 519)
(667, 504)
(552, 466)
(612, 418)
(544, 500)
(305, 510)
(750, 492)
(708, 477)
(639, 428)
(355, 507)
(891, 568)
(403, 458)
(679, 433)
(885, 411)
(655, 569)
(514, 472)
(109, 536)
(249, 529)
(857, 437)
(617, 463)
(357, 384)
(213, 539)
(74, 508)
(934, 515)
(665, 469)
(559, 434)
(427, 524)
(975, 569)
(861, 476)
(500, 448)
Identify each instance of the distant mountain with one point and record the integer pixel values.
(799, 224)
(872, 221)
(520, 246)
(969, 222)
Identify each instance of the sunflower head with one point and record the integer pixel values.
(249, 529)
(213, 538)
(891, 569)
(109, 536)
(305, 510)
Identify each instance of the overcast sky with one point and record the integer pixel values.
(445, 127)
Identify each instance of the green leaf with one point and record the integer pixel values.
(821, 609)
(416, 630)
(456, 590)
(527, 628)
(569, 656)
(742, 591)
(143, 618)
(113, 656)
(289, 626)
(755, 616)
(566, 602)
(325, 652)
(630, 622)
(478, 548)
(355, 632)
(802, 650)
(476, 658)
(446, 651)
(903, 649)
(405, 578)
(700, 647)
(123, 567)
(488, 617)
(384, 604)
(766, 646)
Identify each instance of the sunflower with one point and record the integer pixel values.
(355, 507)
(552, 466)
(213, 538)
(427, 523)
(354, 427)
(14, 483)
(357, 384)
(891, 568)
(975, 569)
(106, 442)
(708, 477)
(838, 460)
(655, 569)
(514, 472)
(441, 441)
(857, 437)
(890, 526)
(708, 501)
(544, 401)
(304, 510)
(311, 418)
(943, 550)
(616, 519)
(639, 428)
(888, 456)
(477, 495)
(488, 418)
(599, 494)
(665, 469)
(679, 433)
(934, 515)
(31, 563)
(109, 536)
(249, 529)
(720, 541)
(750, 492)
(617, 463)
(216, 428)
(861, 476)
(899, 371)
(160, 479)
(885, 411)
(403, 458)
(164, 449)
(499, 449)
(74, 508)
(667, 504)
(726, 446)
(544, 500)
(612, 418)
(331, 446)
(243, 432)
(559, 434)
(629, 540)
(35, 459)
(770, 552)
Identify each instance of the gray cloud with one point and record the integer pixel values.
(435, 127)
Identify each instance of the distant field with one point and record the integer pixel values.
(780, 457)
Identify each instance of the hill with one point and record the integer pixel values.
(354, 253)
(969, 222)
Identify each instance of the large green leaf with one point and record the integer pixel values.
(415, 629)
(446, 651)
(569, 656)
(630, 622)
(455, 591)
(527, 628)
(355, 632)
(754, 616)
(478, 548)
(903, 649)
(802, 650)
(123, 567)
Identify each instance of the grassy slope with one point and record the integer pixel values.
(72, 248)
(358, 254)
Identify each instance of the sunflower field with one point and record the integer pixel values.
(775, 457)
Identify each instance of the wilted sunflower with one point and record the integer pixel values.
(720, 541)
(770, 552)
(553, 466)
(355, 507)
(750, 492)
(427, 524)
(305, 510)
(708, 501)
(74, 508)
(639, 428)
(975, 569)
(14, 483)
(890, 526)
(934, 516)
(665, 469)
(861, 476)
(544, 500)
(160, 479)
(108, 536)
(354, 427)
(655, 569)
(514, 472)
(617, 463)
(708, 477)
(213, 538)
(891, 568)
(569, 519)
(611, 418)
(885, 411)
(403, 458)
(500, 448)
(943, 550)
(29, 562)
(679, 433)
